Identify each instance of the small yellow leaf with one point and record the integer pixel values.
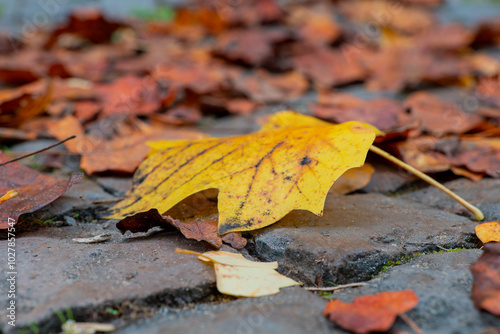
(237, 276)
(289, 164)
(488, 232)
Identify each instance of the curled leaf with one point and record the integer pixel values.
(237, 276)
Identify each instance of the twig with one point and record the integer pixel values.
(33, 153)
(411, 323)
(478, 215)
(338, 287)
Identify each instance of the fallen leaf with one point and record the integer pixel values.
(486, 279)
(439, 117)
(247, 13)
(385, 114)
(130, 95)
(24, 103)
(468, 174)
(93, 240)
(35, 189)
(237, 276)
(315, 25)
(488, 232)
(122, 154)
(406, 19)
(422, 153)
(292, 166)
(395, 68)
(375, 313)
(252, 46)
(327, 67)
(353, 179)
(203, 227)
(88, 23)
(265, 87)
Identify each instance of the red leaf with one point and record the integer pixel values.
(35, 189)
(371, 313)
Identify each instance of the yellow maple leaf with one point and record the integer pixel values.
(290, 164)
(237, 276)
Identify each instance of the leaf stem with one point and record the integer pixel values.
(478, 215)
(10, 194)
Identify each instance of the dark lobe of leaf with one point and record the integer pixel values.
(143, 222)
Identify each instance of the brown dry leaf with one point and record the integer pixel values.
(439, 117)
(130, 95)
(353, 179)
(199, 75)
(248, 13)
(486, 278)
(421, 153)
(327, 67)
(237, 276)
(87, 23)
(263, 87)
(406, 19)
(479, 155)
(384, 114)
(121, 155)
(395, 68)
(24, 103)
(240, 106)
(203, 227)
(315, 25)
(466, 173)
(375, 313)
(488, 232)
(35, 189)
(488, 89)
(449, 37)
(251, 46)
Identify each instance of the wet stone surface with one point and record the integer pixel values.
(57, 273)
(294, 310)
(443, 283)
(484, 194)
(356, 236)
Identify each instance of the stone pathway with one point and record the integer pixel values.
(140, 284)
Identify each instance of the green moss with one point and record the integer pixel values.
(450, 250)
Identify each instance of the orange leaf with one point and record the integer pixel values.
(371, 313)
(487, 232)
(486, 273)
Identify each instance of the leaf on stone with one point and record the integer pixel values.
(260, 177)
(237, 276)
(439, 117)
(201, 228)
(486, 277)
(374, 313)
(488, 232)
(35, 190)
